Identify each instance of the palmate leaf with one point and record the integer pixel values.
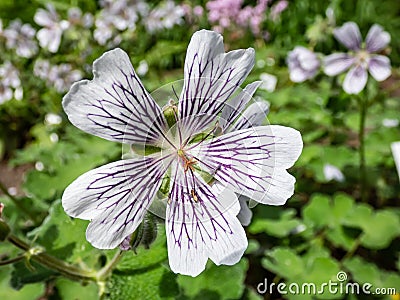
(151, 283)
(27, 292)
(144, 274)
(64, 237)
(363, 271)
(216, 282)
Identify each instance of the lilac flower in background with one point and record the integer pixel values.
(60, 77)
(53, 27)
(269, 82)
(390, 123)
(360, 59)
(201, 220)
(10, 83)
(143, 68)
(76, 18)
(333, 173)
(20, 37)
(118, 15)
(303, 64)
(166, 15)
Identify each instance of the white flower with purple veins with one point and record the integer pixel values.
(50, 35)
(20, 37)
(204, 135)
(361, 58)
(303, 64)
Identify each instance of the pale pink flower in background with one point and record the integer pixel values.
(361, 58)
(277, 9)
(21, 38)
(53, 27)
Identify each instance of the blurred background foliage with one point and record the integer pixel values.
(323, 229)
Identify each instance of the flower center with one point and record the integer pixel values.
(362, 58)
(187, 162)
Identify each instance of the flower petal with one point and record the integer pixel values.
(355, 80)
(377, 39)
(337, 63)
(233, 108)
(50, 38)
(349, 35)
(201, 227)
(115, 105)
(115, 197)
(245, 213)
(211, 76)
(379, 67)
(254, 115)
(253, 161)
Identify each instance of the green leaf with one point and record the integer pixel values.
(363, 271)
(216, 282)
(21, 275)
(284, 262)
(72, 290)
(144, 258)
(379, 228)
(274, 221)
(318, 211)
(153, 283)
(23, 292)
(64, 237)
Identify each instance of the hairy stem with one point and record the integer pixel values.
(107, 269)
(53, 263)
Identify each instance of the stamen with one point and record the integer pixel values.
(194, 195)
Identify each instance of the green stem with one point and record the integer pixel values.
(105, 271)
(16, 202)
(53, 263)
(12, 260)
(361, 149)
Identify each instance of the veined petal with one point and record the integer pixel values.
(115, 197)
(355, 80)
(376, 39)
(115, 105)
(253, 161)
(349, 35)
(199, 226)
(337, 63)
(211, 76)
(254, 115)
(233, 108)
(379, 67)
